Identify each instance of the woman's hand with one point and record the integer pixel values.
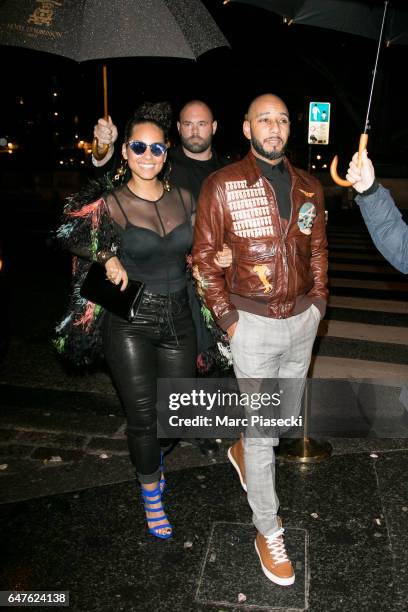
(224, 257)
(116, 273)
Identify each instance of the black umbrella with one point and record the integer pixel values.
(99, 29)
(362, 17)
(372, 19)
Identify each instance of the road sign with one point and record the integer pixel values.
(319, 123)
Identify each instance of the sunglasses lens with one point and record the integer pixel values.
(158, 149)
(138, 147)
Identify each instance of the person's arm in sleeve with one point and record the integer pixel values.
(319, 257)
(87, 231)
(383, 219)
(208, 240)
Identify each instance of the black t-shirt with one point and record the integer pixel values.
(279, 178)
(190, 173)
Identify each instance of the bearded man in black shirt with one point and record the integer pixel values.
(194, 158)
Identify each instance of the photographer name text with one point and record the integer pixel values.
(226, 421)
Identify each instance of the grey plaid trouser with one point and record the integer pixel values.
(274, 349)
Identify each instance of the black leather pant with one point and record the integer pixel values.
(160, 343)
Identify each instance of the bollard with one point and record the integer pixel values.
(305, 450)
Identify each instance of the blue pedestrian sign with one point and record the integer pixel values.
(319, 123)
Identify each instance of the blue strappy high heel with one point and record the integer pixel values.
(162, 482)
(148, 503)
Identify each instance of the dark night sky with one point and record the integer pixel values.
(299, 63)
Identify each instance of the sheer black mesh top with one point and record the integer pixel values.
(155, 237)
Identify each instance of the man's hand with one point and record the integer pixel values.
(361, 178)
(231, 329)
(106, 132)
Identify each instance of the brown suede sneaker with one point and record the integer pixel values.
(274, 561)
(236, 456)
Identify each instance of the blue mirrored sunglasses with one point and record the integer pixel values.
(139, 147)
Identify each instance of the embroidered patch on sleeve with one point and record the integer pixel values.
(201, 283)
(308, 194)
(307, 215)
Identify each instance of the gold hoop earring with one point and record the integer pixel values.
(166, 184)
(166, 179)
(121, 171)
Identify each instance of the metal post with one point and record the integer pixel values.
(309, 161)
(305, 450)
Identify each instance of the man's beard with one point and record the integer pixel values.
(257, 145)
(198, 147)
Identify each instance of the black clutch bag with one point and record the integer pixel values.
(98, 289)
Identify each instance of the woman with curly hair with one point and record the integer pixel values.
(155, 230)
(141, 230)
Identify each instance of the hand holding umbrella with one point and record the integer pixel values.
(106, 132)
(364, 136)
(99, 152)
(361, 172)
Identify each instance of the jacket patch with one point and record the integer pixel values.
(261, 271)
(308, 194)
(306, 218)
(201, 283)
(250, 209)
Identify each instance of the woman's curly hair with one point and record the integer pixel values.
(159, 113)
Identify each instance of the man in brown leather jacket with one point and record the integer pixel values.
(272, 297)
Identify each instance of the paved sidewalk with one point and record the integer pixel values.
(53, 441)
(72, 519)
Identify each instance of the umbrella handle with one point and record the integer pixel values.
(333, 166)
(99, 153)
(96, 152)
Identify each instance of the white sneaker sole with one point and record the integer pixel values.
(235, 464)
(273, 577)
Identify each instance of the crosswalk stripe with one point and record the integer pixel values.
(385, 277)
(342, 301)
(352, 255)
(373, 268)
(357, 268)
(348, 229)
(350, 241)
(364, 331)
(341, 367)
(368, 284)
(355, 249)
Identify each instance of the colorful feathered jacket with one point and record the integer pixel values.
(88, 232)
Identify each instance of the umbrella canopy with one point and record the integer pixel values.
(98, 29)
(95, 29)
(362, 17)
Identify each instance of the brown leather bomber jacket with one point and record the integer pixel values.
(274, 272)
